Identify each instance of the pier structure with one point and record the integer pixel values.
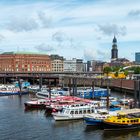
(74, 80)
(137, 93)
(67, 79)
(44, 78)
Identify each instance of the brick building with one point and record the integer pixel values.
(57, 63)
(121, 62)
(24, 62)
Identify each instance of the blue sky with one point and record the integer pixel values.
(71, 28)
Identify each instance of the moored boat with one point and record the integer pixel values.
(9, 91)
(37, 103)
(52, 94)
(71, 101)
(73, 113)
(123, 120)
(126, 101)
(97, 93)
(6, 90)
(58, 106)
(98, 116)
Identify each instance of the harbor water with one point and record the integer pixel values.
(18, 124)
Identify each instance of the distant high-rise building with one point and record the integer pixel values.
(70, 65)
(74, 65)
(114, 51)
(95, 65)
(79, 65)
(137, 57)
(85, 67)
(89, 65)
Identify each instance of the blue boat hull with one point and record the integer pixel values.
(12, 93)
(114, 108)
(91, 121)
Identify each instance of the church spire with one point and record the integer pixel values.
(114, 39)
(114, 51)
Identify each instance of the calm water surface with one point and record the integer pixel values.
(18, 124)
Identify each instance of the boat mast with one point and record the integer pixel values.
(107, 104)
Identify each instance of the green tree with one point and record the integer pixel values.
(137, 70)
(107, 70)
(116, 74)
(125, 73)
(116, 68)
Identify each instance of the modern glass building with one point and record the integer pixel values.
(137, 57)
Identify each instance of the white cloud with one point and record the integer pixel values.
(96, 54)
(46, 22)
(70, 26)
(134, 13)
(2, 38)
(22, 24)
(59, 37)
(44, 48)
(112, 29)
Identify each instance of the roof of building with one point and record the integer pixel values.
(56, 57)
(24, 52)
(120, 60)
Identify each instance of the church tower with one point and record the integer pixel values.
(114, 51)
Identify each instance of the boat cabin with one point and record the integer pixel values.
(78, 110)
(123, 118)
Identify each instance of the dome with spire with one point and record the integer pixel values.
(114, 40)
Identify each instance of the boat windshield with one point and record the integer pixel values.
(43, 95)
(121, 115)
(65, 110)
(103, 113)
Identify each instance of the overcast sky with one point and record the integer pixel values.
(71, 28)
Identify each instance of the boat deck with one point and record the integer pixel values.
(129, 111)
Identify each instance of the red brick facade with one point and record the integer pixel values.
(24, 63)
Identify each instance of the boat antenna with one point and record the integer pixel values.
(124, 99)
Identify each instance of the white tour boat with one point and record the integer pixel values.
(73, 113)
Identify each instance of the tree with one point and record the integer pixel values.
(107, 70)
(137, 70)
(116, 68)
(116, 74)
(125, 73)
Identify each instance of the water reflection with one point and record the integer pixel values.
(38, 124)
(121, 135)
(20, 100)
(92, 128)
(58, 124)
(48, 113)
(32, 110)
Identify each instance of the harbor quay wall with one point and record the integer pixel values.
(114, 84)
(67, 79)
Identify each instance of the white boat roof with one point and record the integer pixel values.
(102, 110)
(80, 107)
(130, 111)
